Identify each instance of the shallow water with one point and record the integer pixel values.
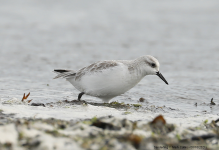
(37, 37)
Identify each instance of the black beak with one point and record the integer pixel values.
(161, 76)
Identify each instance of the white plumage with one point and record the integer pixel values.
(108, 79)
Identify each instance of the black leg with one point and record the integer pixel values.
(80, 95)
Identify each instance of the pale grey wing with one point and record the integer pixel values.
(64, 73)
(95, 67)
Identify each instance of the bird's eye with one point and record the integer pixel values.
(153, 65)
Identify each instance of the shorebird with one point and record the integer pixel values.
(110, 78)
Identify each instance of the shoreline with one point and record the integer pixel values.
(105, 133)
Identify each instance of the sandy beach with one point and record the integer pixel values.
(37, 37)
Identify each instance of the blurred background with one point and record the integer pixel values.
(38, 36)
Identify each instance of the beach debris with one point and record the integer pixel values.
(111, 123)
(29, 101)
(106, 133)
(137, 105)
(115, 105)
(159, 126)
(212, 103)
(196, 104)
(135, 140)
(159, 120)
(206, 121)
(203, 137)
(38, 104)
(25, 98)
(126, 113)
(171, 108)
(104, 125)
(76, 102)
(141, 99)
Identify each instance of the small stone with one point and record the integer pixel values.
(141, 99)
(38, 104)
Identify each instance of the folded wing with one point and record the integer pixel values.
(62, 73)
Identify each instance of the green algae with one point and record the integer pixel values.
(114, 104)
(126, 113)
(136, 105)
(206, 121)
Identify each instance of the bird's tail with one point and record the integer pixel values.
(62, 73)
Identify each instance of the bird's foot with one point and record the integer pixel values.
(80, 95)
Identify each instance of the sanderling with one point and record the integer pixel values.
(110, 78)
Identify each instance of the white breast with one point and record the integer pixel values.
(109, 82)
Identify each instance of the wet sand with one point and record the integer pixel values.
(37, 37)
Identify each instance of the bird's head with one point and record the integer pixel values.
(151, 67)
